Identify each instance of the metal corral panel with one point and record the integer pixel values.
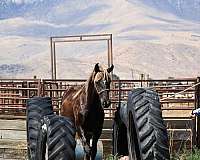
(13, 95)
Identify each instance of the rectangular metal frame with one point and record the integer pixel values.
(79, 38)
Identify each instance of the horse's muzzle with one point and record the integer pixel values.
(106, 104)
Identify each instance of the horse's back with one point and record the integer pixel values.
(67, 103)
(70, 104)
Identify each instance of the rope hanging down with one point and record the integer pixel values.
(181, 91)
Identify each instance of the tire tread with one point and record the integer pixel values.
(145, 106)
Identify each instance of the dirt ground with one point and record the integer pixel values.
(13, 136)
(12, 139)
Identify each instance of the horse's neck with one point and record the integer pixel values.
(92, 97)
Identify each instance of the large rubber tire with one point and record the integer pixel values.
(119, 140)
(147, 134)
(37, 108)
(60, 144)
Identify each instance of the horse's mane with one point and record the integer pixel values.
(89, 88)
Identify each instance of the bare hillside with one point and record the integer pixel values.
(156, 37)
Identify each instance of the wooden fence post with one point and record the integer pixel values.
(39, 87)
(197, 105)
(120, 92)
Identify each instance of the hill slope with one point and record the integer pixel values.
(155, 37)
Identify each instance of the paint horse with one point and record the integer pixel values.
(85, 105)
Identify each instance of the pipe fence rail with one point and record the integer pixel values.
(176, 104)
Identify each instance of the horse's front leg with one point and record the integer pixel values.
(94, 146)
(87, 147)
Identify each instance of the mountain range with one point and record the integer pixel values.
(159, 38)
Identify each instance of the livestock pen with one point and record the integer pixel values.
(177, 96)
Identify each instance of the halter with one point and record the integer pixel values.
(103, 90)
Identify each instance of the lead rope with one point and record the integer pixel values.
(181, 92)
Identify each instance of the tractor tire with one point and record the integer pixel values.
(147, 134)
(60, 138)
(119, 140)
(37, 108)
(120, 144)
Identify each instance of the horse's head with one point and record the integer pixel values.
(102, 82)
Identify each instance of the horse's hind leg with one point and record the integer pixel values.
(85, 140)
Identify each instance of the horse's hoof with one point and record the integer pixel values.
(87, 149)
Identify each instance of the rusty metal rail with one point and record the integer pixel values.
(176, 110)
(15, 92)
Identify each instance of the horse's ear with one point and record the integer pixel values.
(96, 68)
(110, 69)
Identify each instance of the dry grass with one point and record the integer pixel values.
(111, 157)
(187, 155)
(13, 154)
(184, 155)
